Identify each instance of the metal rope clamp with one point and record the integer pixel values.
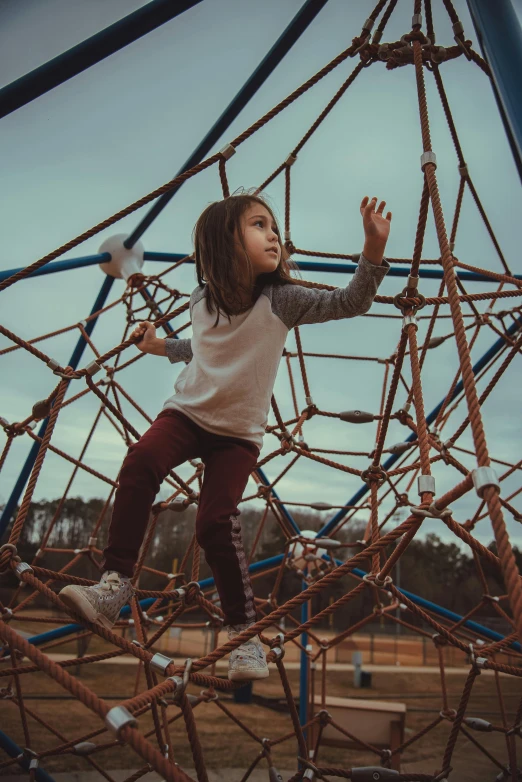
(458, 29)
(279, 650)
(483, 478)
(367, 28)
(311, 770)
(22, 567)
(118, 718)
(323, 717)
(160, 663)
(181, 683)
(57, 370)
(409, 320)
(227, 151)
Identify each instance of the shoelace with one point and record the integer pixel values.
(111, 583)
(250, 649)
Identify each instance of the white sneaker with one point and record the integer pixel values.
(102, 602)
(248, 661)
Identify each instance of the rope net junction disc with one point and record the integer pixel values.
(394, 476)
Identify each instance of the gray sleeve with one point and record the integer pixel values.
(181, 349)
(296, 305)
(178, 349)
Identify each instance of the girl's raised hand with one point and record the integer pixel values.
(376, 226)
(145, 333)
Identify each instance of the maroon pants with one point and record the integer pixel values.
(172, 439)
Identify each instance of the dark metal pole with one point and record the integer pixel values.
(307, 266)
(33, 453)
(89, 52)
(500, 38)
(284, 43)
(14, 751)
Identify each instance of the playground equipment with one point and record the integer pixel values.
(389, 477)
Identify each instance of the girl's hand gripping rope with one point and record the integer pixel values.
(148, 342)
(376, 229)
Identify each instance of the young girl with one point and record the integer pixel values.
(244, 306)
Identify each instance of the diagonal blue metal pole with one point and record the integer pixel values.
(89, 52)
(284, 43)
(14, 751)
(500, 38)
(481, 363)
(33, 453)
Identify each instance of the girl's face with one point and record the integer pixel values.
(261, 239)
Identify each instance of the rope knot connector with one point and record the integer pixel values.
(373, 578)
(403, 302)
(8, 557)
(374, 474)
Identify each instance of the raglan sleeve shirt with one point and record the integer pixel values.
(227, 383)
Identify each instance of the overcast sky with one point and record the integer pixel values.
(95, 144)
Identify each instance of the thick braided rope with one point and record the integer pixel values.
(501, 536)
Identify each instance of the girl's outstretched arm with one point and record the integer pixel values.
(296, 305)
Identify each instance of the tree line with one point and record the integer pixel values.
(439, 571)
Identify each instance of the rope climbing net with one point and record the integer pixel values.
(393, 473)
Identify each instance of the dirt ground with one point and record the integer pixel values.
(226, 745)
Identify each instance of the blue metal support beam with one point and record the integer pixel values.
(426, 272)
(266, 564)
(500, 38)
(89, 52)
(14, 751)
(33, 453)
(294, 30)
(481, 363)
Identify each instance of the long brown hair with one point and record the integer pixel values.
(217, 262)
